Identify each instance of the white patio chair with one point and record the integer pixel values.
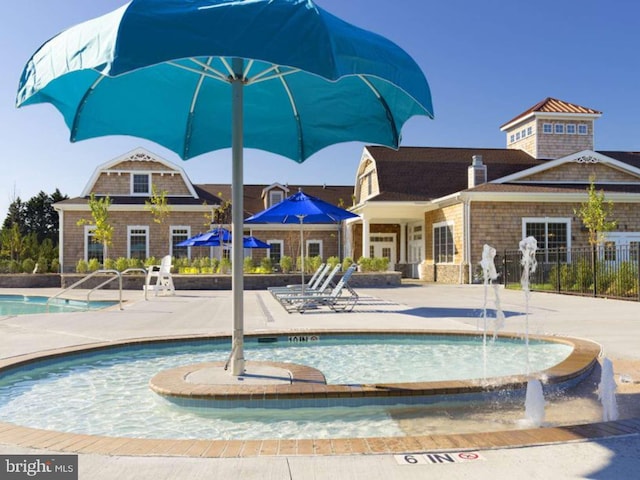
(163, 279)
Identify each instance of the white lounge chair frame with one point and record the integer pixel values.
(334, 300)
(328, 282)
(311, 285)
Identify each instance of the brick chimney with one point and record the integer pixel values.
(477, 172)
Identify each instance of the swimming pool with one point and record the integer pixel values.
(106, 392)
(26, 304)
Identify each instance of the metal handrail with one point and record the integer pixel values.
(109, 280)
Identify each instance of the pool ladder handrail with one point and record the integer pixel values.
(109, 280)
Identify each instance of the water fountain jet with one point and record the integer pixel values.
(607, 392)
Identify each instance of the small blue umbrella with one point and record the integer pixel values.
(200, 75)
(253, 242)
(302, 208)
(201, 239)
(247, 242)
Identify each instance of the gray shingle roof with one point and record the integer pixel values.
(426, 173)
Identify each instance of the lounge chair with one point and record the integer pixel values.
(334, 300)
(315, 290)
(312, 284)
(162, 275)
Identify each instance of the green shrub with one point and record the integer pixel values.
(365, 264)
(94, 264)
(43, 265)
(266, 265)
(109, 264)
(286, 263)
(215, 265)
(135, 263)
(380, 264)
(346, 263)
(28, 265)
(82, 266)
(122, 264)
(55, 266)
(333, 261)
(247, 265)
(313, 264)
(148, 262)
(225, 266)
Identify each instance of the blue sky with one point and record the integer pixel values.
(485, 62)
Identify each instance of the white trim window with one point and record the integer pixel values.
(140, 183)
(583, 129)
(275, 197)
(179, 233)
(138, 241)
(552, 234)
(443, 244)
(92, 248)
(547, 128)
(276, 249)
(314, 248)
(571, 129)
(558, 128)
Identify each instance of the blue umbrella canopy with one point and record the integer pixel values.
(201, 239)
(301, 208)
(214, 241)
(201, 75)
(162, 70)
(253, 242)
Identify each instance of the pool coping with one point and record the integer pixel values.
(581, 360)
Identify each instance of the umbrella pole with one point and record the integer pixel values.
(237, 209)
(301, 218)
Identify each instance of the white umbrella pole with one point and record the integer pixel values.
(237, 209)
(301, 218)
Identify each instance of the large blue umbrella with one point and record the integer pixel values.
(195, 76)
(301, 208)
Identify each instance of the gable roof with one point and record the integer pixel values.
(427, 173)
(254, 200)
(553, 106)
(585, 155)
(138, 155)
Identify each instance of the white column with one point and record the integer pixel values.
(365, 237)
(403, 243)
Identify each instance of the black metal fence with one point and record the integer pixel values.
(607, 271)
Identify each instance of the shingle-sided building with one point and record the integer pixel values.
(129, 180)
(430, 210)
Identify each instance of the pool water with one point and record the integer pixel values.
(22, 305)
(107, 393)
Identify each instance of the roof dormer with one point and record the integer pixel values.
(274, 193)
(552, 129)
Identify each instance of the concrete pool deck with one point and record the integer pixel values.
(595, 451)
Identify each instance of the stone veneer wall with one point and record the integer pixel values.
(223, 282)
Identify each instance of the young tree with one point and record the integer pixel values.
(594, 214)
(160, 209)
(103, 232)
